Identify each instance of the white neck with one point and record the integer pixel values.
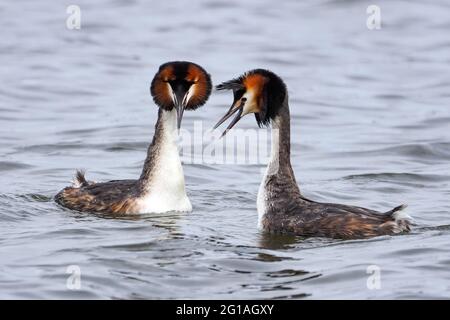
(274, 161)
(164, 189)
(272, 168)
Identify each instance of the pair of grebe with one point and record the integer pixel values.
(179, 86)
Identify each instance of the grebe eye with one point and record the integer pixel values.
(244, 99)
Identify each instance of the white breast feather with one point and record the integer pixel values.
(167, 189)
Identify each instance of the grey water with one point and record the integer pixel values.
(370, 127)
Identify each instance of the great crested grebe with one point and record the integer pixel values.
(177, 86)
(281, 206)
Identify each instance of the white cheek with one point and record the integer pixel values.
(249, 95)
(189, 94)
(250, 104)
(169, 88)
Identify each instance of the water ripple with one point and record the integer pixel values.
(370, 118)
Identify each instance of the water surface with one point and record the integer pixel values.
(370, 127)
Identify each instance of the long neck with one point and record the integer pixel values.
(280, 159)
(278, 189)
(162, 170)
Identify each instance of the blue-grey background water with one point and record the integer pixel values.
(370, 127)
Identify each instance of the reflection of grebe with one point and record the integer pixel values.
(281, 206)
(177, 86)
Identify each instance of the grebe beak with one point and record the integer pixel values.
(180, 102)
(233, 109)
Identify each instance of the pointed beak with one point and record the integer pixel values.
(180, 104)
(180, 111)
(233, 110)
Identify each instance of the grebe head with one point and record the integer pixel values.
(181, 85)
(258, 91)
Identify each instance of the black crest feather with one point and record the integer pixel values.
(234, 84)
(179, 72)
(274, 93)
